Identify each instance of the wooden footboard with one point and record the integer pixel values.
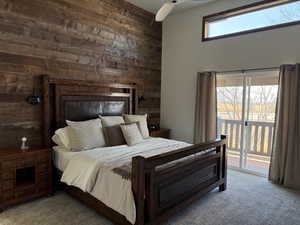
(161, 191)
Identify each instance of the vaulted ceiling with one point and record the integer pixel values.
(154, 5)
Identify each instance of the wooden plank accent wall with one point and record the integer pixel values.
(97, 40)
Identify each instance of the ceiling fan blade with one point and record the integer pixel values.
(164, 11)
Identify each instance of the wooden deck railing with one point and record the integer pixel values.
(258, 136)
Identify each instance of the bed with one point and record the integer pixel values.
(161, 181)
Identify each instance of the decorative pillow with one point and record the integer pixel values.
(109, 121)
(131, 133)
(61, 137)
(114, 136)
(142, 119)
(86, 135)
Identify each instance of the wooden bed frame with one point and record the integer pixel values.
(158, 193)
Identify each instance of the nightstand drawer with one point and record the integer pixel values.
(8, 174)
(25, 162)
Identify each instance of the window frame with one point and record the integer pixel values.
(242, 10)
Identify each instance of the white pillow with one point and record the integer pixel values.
(131, 133)
(61, 149)
(110, 121)
(56, 140)
(86, 135)
(142, 120)
(61, 137)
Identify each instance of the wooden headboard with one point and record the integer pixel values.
(83, 100)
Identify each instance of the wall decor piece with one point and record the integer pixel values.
(34, 99)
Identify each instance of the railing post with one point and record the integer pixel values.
(223, 186)
(253, 127)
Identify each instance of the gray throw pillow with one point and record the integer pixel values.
(114, 136)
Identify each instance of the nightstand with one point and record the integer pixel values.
(163, 133)
(24, 175)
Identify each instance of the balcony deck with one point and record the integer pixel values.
(254, 163)
(257, 142)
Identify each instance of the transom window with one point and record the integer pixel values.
(251, 18)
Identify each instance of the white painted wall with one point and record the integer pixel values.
(184, 55)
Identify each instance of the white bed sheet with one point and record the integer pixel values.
(92, 171)
(61, 157)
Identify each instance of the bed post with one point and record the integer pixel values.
(223, 186)
(46, 111)
(138, 188)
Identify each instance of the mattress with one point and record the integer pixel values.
(101, 172)
(61, 157)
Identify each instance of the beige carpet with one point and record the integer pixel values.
(249, 200)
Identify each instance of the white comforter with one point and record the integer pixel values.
(92, 172)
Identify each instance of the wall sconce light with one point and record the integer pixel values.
(34, 99)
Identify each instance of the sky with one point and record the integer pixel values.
(289, 12)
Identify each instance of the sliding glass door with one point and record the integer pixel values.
(246, 113)
(230, 114)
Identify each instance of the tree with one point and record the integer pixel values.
(262, 102)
